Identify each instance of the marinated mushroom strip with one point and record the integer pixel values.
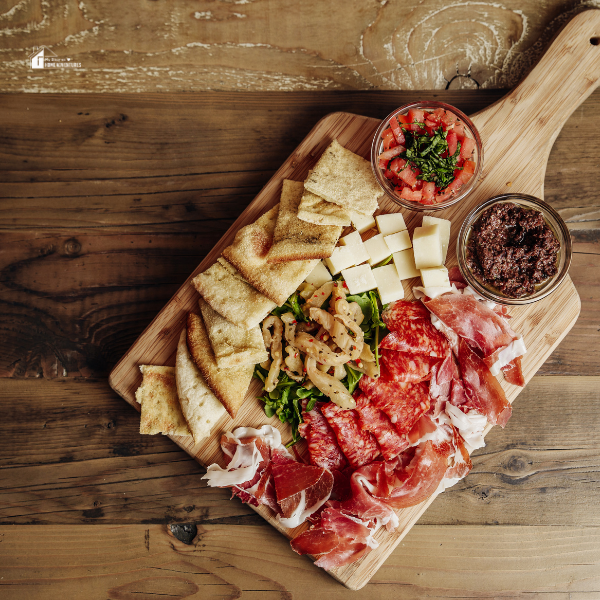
(339, 372)
(330, 386)
(356, 313)
(293, 364)
(339, 304)
(273, 344)
(303, 327)
(356, 339)
(337, 328)
(319, 297)
(319, 351)
(289, 321)
(370, 369)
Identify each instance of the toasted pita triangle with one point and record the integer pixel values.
(313, 209)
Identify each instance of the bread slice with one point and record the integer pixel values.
(294, 239)
(248, 254)
(232, 297)
(313, 209)
(232, 345)
(200, 407)
(229, 385)
(345, 179)
(161, 411)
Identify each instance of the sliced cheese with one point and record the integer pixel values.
(444, 226)
(405, 264)
(435, 277)
(362, 222)
(355, 243)
(427, 247)
(342, 258)
(359, 279)
(391, 223)
(377, 248)
(388, 283)
(319, 275)
(398, 241)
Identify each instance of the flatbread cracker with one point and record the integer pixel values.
(345, 179)
(200, 407)
(294, 239)
(232, 345)
(313, 209)
(161, 411)
(232, 297)
(229, 385)
(248, 255)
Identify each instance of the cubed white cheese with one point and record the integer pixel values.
(405, 264)
(444, 225)
(355, 243)
(435, 277)
(362, 222)
(427, 247)
(359, 279)
(388, 283)
(319, 275)
(391, 223)
(342, 258)
(398, 241)
(377, 248)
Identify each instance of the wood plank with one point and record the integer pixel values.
(140, 562)
(259, 46)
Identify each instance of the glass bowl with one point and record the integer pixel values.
(553, 220)
(377, 149)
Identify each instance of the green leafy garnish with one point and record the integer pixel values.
(292, 305)
(352, 378)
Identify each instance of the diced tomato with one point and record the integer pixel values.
(416, 116)
(386, 156)
(465, 176)
(469, 166)
(389, 141)
(443, 196)
(397, 164)
(418, 185)
(388, 174)
(403, 119)
(455, 185)
(428, 192)
(408, 176)
(397, 130)
(448, 118)
(467, 147)
(459, 130)
(414, 196)
(452, 143)
(437, 115)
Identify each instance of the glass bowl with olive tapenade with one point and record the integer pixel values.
(444, 152)
(514, 249)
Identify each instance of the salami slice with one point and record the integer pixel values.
(379, 424)
(403, 403)
(323, 448)
(417, 336)
(408, 368)
(397, 313)
(359, 447)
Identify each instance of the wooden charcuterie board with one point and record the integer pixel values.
(517, 133)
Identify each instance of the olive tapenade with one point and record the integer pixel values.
(512, 249)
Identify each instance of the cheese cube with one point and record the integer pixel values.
(388, 283)
(392, 223)
(359, 279)
(405, 264)
(444, 225)
(377, 248)
(342, 258)
(435, 277)
(355, 243)
(362, 222)
(427, 247)
(319, 275)
(398, 241)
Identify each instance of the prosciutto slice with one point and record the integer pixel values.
(482, 389)
(513, 372)
(408, 368)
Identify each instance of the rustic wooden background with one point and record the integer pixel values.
(107, 203)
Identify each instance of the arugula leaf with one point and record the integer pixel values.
(352, 378)
(292, 305)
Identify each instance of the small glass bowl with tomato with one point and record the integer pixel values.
(427, 155)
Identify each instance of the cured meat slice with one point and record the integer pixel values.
(379, 424)
(359, 447)
(457, 395)
(301, 490)
(397, 313)
(483, 391)
(408, 368)
(456, 278)
(513, 372)
(461, 461)
(418, 336)
(484, 330)
(403, 403)
(322, 444)
(422, 427)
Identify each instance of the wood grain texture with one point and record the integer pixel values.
(258, 44)
(143, 562)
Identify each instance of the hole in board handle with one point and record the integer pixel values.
(595, 41)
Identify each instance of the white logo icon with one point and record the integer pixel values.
(39, 56)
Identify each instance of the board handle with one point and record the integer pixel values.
(530, 117)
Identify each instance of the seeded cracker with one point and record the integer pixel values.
(345, 179)
(294, 239)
